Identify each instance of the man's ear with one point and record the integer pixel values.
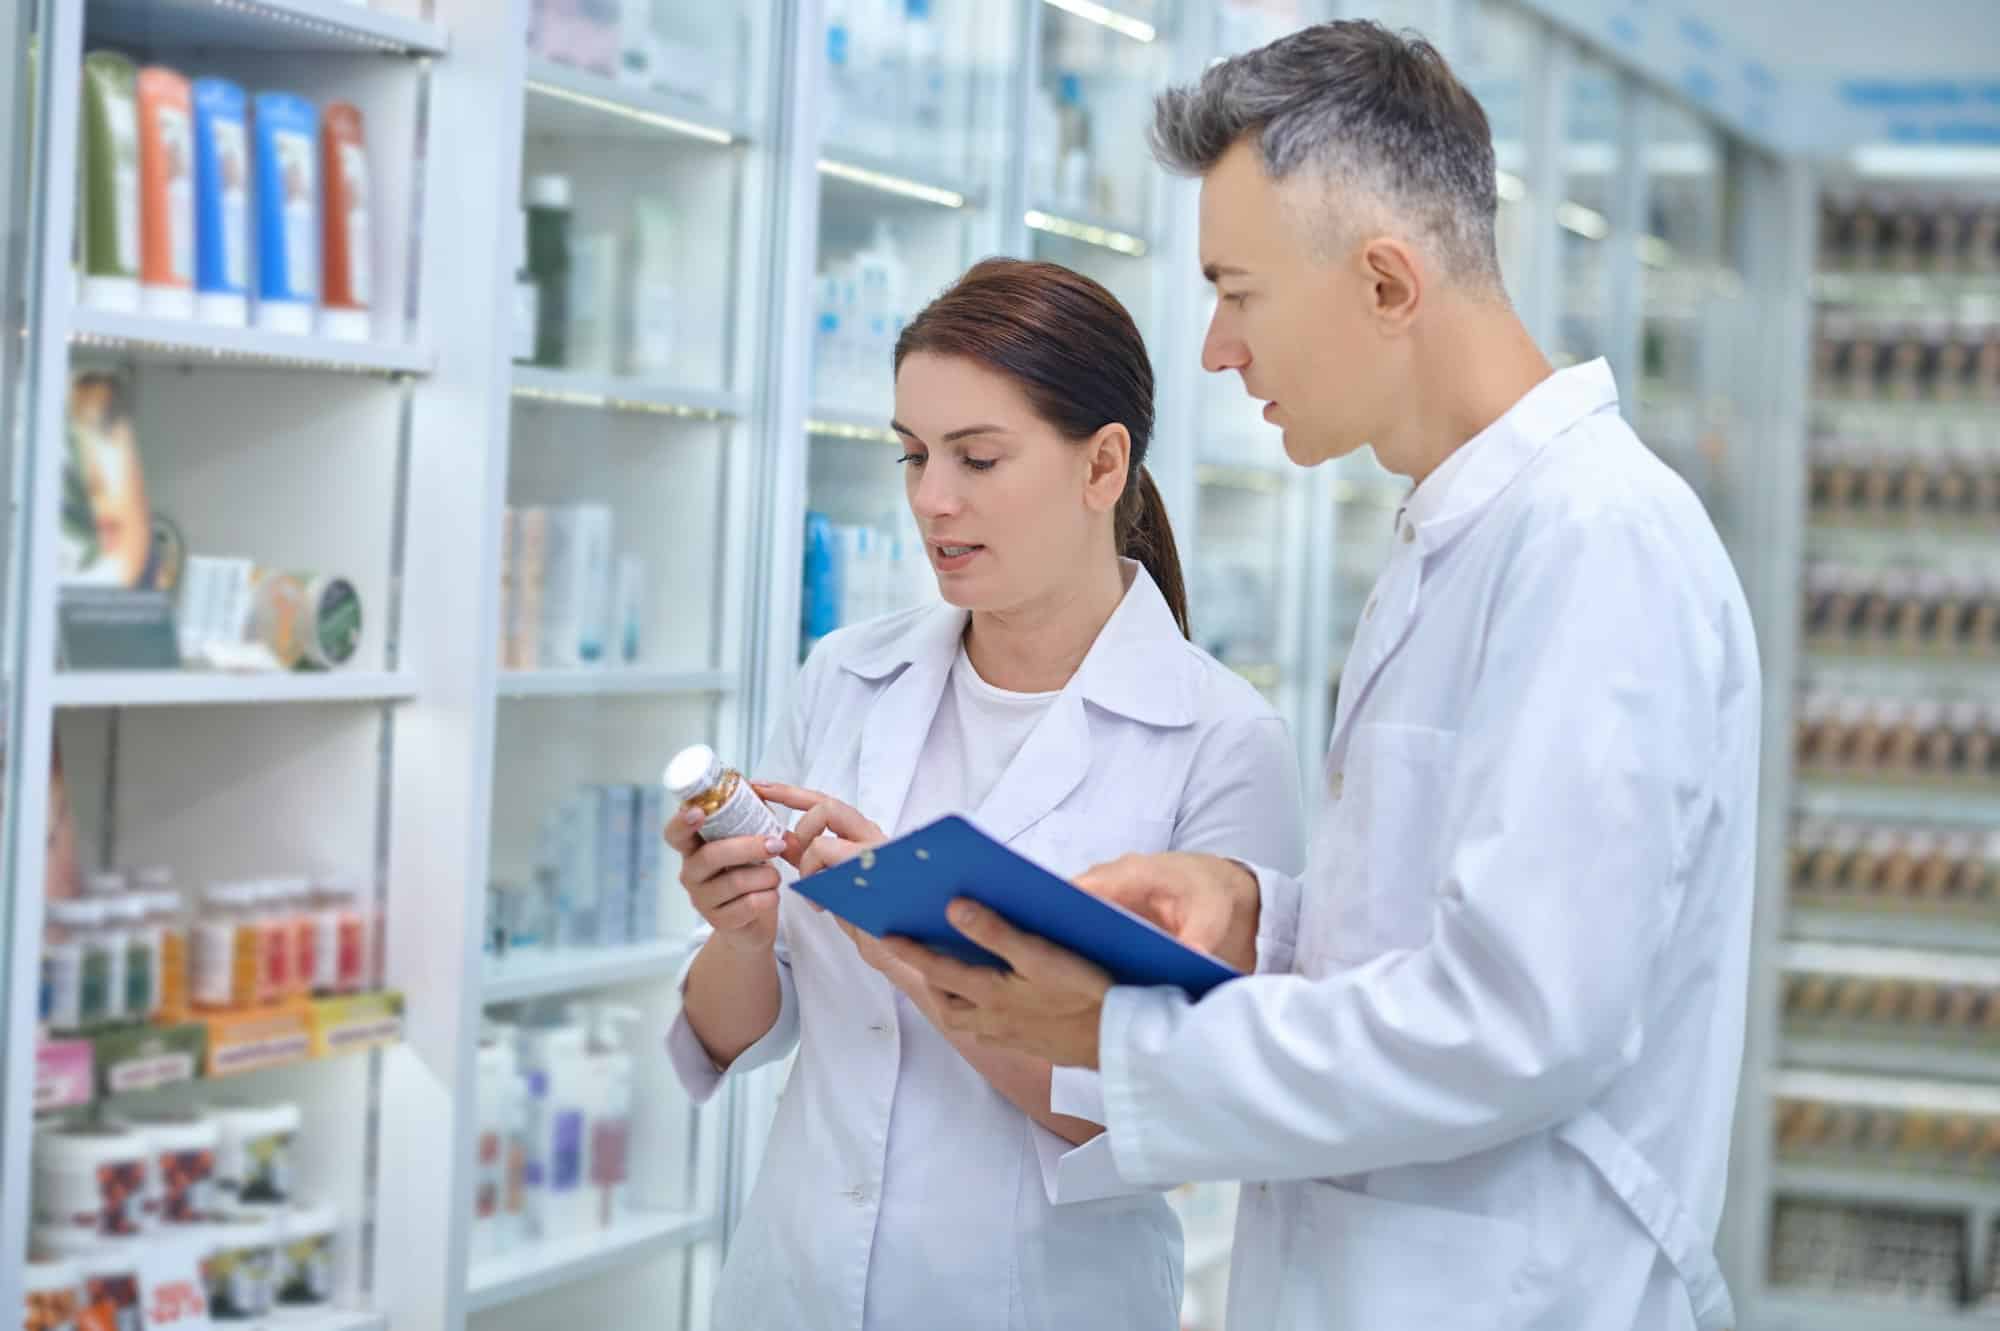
(1396, 277)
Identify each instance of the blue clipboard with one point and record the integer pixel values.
(903, 886)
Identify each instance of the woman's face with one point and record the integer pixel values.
(1009, 510)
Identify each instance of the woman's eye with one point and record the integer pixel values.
(914, 459)
(980, 464)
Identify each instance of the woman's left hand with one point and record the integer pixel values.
(830, 833)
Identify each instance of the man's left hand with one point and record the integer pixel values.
(1047, 1005)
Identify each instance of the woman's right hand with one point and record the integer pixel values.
(732, 882)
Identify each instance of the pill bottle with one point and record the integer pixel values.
(181, 1146)
(91, 1180)
(81, 924)
(272, 927)
(697, 777)
(142, 955)
(62, 968)
(114, 933)
(225, 949)
(304, 1277)
(164, 913)
(241, 1269)
(253, 1162)
(340, 949)
(291, 911)
(53, 1290)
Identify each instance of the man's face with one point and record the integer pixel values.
(1296, 324)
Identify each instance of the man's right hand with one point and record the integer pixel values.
(1209, 903)
(732, 883)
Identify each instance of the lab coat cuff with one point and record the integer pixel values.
(1277, 919)
(697, 1072)
(1077, 1093)
(1086, 1173)
(1130, 1015)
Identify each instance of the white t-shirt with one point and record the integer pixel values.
(977, 731)
(974, 736)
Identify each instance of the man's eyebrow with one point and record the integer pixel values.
(1215, 272)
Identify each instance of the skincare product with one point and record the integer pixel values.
(287, 132)
(221, 204)
(347, 239)
(166, 194)
(108, 202)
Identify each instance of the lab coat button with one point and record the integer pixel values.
(859, 1196)
(1409, 533)
(1334, 785)
(878, 1027)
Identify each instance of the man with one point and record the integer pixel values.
(1484, 1075)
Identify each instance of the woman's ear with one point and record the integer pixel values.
(1110, 456)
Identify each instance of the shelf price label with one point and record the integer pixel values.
(147, 1057)
(360, 1021)
(244, 1041)
(62, 1074)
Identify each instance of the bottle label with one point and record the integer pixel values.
(230, 159)
(742, 814)
(175, 143)
(300, 209)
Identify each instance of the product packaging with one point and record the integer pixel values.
(221, 204)
(576, 586)
(348, 244)
(254, 1156)
(54, 1295)
(288, 191)
(108, 195)
(629, 609)
(305, 1257)
(241, 1271)
(649, 346)
(91, 1180)
(166, 193)
(181, 1146)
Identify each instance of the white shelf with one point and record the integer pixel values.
(262, 25)
(187, 342)
(1848, 799)
(1851, 1312)
(605, 392)
(1963, 674)
(194, 688)
(331, 1320)
(1874, 1092)
(1892, 1057)
(537, 973)
(859, 177)
(1884, 1185)
(1873, 961)
(1907, 289)
(1893, 928)
(540, 1267)
(1088, 229)
(567, 102)
(612, 682)
(850, 423)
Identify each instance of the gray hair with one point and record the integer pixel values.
(1367, 111)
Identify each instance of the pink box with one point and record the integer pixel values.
(63, 1071)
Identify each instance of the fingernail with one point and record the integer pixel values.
(960, 912)
(691, 817)
(774, 844)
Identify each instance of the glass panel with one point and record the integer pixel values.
(639, 344)
(1590, 128)
(896, 226)
(1499, 49)
(18, 113)
(1685, 298)
(1093, 189)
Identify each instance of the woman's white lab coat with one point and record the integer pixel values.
(1489, 1083)
(1151, 746)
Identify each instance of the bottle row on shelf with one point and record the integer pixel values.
(597, 879)
(176, 1218)
(1885, 1007)
(1901, 611)
(129, 951)
(1932, 359)
(1910, 1140)
(1847, 863)
(189, 187)
(598, 301)
(1908, 232)
(1894, 1255)
(1948, 474)
(553, 1153)
(1893, 740)
(565, 601)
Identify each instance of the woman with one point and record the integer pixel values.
(910, 1180)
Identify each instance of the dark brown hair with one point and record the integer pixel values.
(1070, 346)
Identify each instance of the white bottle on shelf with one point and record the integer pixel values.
(607, 1082)
(928, 117)
(1045, 129)
(558, 1200)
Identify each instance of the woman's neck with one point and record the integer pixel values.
(1036, 648)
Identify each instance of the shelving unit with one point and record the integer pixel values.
(540, 973)
(542, 1267)
(137, 688)
(185, 343)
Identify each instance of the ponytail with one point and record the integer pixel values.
(1145, 534)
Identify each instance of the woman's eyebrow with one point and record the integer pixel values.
(951, 436)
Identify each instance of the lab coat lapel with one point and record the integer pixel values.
(1050, 765)
(899, 719)
(1394, 611)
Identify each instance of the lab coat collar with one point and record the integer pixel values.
(1487, 463)
(1126, 671)
(1139, 667)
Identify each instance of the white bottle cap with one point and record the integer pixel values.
(549, 191)
(693, 770)
(109, 883)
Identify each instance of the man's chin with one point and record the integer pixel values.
(1309, 450)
